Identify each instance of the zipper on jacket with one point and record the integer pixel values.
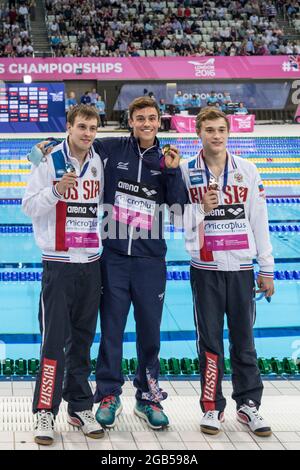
(138, 181)
(221, 202)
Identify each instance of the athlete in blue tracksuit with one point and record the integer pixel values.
(136, 183)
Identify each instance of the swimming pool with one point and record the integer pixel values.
(277, 327)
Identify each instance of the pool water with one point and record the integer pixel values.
(277, 329)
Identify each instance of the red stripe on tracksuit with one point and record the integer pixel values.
(205, 254)
(210, 381)
(60, 229)
(47, 384)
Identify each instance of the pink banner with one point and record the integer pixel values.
(238, 123)
(242, 123)
(183, 123)
(151, 68)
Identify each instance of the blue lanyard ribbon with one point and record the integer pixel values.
(207, 173)
(85, 166)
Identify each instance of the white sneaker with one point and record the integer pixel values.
(211, 422)
(87, 422)
(44, 427)
(248, 414)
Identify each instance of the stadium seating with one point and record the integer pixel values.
(192, 27)
(14, 30)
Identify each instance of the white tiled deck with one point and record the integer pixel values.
(281, 408)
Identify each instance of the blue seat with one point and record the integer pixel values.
(31, 276)
(185, 275)
(23, 276)
(177, 276)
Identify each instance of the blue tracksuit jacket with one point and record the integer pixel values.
(124, 161)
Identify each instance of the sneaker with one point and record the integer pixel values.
(87, 422)
(248, 414)
(110, 407)
(211, 422)
(152, 414)
(44, 427)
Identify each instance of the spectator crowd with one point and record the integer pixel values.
(90, 98)
(14, 29)
(116, 28)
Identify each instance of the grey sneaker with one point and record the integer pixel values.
(248, 414)
(86, 421)
(211, 422)
(44, 427)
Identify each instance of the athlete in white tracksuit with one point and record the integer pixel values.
(64, 209)
(226, 227)
(242, 210)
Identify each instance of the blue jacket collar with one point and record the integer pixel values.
(151, 157)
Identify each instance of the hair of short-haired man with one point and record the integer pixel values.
(84, 110)
(141, 103)
(210, 113)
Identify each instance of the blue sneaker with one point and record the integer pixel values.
(152, 414)
(110, 407)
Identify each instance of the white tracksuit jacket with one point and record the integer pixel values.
(66, 227)
(241, 218)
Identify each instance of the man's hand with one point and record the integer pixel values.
(210, 200)
(266, 285)
(172, 157)
(67, 181)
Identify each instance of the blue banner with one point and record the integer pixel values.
(38, 107)
(254, 95)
